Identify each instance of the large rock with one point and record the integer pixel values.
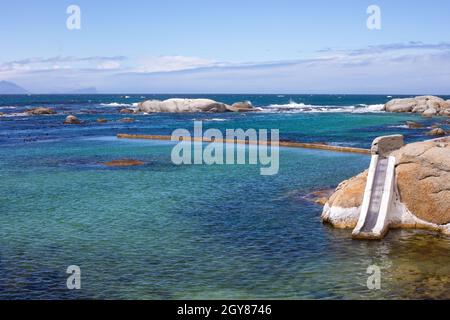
(430, 112)
(400, 105)
(426, 105)
(383, 146)
(413, 125)
(241, 107)
(349, 193)
(182, 105)
(193, 105)
(437, 132)
(423, 179)
(41, 111)
(423, 188)
(342, 208)
(72, 120)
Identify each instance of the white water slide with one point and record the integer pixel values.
(373, 220)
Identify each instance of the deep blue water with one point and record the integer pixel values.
(336, 119)
(257, 100)
(161, 231)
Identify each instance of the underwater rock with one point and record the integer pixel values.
(101, 120)
(124, 163)
(127, 120)
(321, 196)
(126, 111)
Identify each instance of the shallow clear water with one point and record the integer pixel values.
(162, 231)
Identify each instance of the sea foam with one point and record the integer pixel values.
(118, 104)
(294, 107)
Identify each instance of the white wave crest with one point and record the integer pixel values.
(400, 126)
(215, 120)
(363, 108)
(117, 104)
(10, 115)
(294, 107)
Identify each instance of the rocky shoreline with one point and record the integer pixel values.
(422, 190)
(176, 105)
(428, 106)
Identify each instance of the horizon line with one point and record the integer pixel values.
(230, 93)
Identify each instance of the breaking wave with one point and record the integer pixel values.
(294, 107)
(118, 104)
(16, 114)
(399, 126)
(215, 120)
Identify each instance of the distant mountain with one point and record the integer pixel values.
(7, 87)
(90, 90)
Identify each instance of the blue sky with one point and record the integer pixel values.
(202, 46)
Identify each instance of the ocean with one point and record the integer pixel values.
(161, 231)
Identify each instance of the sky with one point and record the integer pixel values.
(205, 46)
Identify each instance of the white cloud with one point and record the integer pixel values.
(173, 63)
(108, 65)
(58, 62)
(394, 68)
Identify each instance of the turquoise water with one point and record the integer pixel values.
(161, 231)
